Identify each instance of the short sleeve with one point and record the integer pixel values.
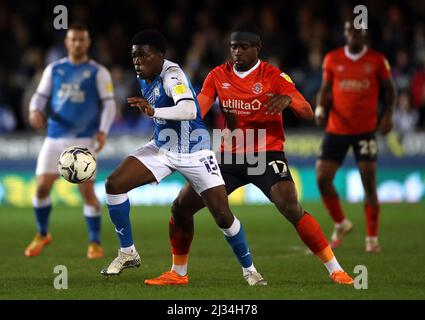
(104, 84)
(176, 85)
(208, 87)
(327, 72)
(384, 68)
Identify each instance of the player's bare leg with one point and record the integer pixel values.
(368, 175)
(181, 231)
(284, 196)
(92, 213)
(181, 234)
(42, 207)
(130, 174)
(326, 170)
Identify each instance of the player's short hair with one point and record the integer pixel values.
(247, 31)
(78, 26)
(152, 38)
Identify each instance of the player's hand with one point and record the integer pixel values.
(142, 104)
(386, 124)
(319, 115)
(37, 120)
(100, 139)
(277, 103)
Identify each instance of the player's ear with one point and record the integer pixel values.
(259, 46)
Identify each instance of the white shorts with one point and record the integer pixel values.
(199, 168)
(47, 162)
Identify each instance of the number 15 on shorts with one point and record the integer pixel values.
(210, 164)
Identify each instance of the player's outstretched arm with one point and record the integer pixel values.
(322, 102)
(390, 95)
(183, 110)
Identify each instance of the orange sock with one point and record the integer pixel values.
(334, 208)
(326, 254)
(180, 259)
(311, 233)
(180, 239)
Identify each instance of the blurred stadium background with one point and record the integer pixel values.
(296, 35)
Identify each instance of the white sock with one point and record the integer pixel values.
(333, 265)
(249, 269)
(342, 223)
(234, 228)
(114, 199)
(372, 239)
(91, 211)
(129, 250)
(180, 269)
(41, 203)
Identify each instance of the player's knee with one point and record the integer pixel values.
(177, 210)
(324, 182)
(371, 197)
(290, 208)
(90, 199)
(222, 215)
(113, 185)
(42, 191)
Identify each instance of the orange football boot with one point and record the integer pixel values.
(168, 278)
(94, 251)
(37, 245)
(341, 277)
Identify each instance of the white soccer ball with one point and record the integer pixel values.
(77, 164)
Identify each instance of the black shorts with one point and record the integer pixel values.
(236, 174)
(335, 147)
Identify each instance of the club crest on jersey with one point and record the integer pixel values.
(86, 74)
(257, 88)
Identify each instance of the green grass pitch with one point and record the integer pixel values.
(396, 273)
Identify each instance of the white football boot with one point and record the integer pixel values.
(121, 262)
(254, 278)
(340, 230)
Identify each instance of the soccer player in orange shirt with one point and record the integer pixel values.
(352, 76)
(252, 95)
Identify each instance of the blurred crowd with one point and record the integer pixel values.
(296, 35)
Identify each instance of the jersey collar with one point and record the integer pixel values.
(243, 74)
(354, 56)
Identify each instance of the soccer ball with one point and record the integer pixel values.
(77, 164)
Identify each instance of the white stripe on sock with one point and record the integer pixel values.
(91, 211)
(114, 199)
(41, 203)
(234, 228)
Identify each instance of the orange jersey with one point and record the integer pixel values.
(355, 90)
(242, 102)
